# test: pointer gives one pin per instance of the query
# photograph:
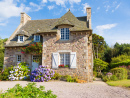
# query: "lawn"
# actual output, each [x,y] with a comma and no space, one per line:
[121,83]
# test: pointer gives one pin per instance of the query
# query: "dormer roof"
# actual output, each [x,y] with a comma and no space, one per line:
[23,32]
[64,22]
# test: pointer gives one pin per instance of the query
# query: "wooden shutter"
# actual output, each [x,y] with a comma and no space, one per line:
[55,60]
[73,60]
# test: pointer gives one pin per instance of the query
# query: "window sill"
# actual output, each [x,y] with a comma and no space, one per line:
[20,41]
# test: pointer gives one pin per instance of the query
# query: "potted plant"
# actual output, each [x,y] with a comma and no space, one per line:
[61,66]
[66,66]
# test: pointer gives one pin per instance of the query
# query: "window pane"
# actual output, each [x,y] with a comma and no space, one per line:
[35,57]
[65,59]
[21,38]
[19,58]
[37,37]
[61,59]
[65,33]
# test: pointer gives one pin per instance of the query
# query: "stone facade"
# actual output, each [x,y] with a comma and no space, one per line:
[78,43]
[10,57]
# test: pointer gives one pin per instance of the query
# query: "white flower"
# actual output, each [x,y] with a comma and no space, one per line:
[16,78]
[20,78]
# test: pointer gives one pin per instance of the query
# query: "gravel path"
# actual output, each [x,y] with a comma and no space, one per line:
[97,89]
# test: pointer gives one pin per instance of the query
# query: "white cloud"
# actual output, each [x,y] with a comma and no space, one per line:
[107,8]
[44,1]
[117,6]
[8,9]
[85,6]
[38,7]
[50,7]
[62,2]
[100,29]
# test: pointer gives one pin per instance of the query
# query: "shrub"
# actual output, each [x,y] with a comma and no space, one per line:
[70,79]
[113,78]
[120,73]
[29,91]
[100,65]
[42,74]
[5,72]
[19,72]
[56,76]
[105,78]
[0,76]
[94,73]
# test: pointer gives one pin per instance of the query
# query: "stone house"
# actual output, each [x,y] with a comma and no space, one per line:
[66,41]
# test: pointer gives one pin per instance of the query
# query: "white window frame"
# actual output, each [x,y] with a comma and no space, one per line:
[35,36]
[19,38]
[19,58]
[65,57]
[64,33]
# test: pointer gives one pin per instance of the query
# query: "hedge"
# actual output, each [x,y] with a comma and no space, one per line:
[126,63]
[120,73]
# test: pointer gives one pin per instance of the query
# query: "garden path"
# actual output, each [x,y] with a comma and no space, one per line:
[62,89]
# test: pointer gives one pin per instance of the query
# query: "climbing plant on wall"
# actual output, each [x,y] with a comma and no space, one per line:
[34,49]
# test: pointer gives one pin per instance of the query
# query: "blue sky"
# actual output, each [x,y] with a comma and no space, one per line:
[110,18]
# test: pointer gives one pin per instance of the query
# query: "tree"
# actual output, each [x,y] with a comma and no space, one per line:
[98,46]
[121,49]
[100,65]
[2,41]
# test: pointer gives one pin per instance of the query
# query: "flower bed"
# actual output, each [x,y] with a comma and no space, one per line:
[41,74]
[19,72]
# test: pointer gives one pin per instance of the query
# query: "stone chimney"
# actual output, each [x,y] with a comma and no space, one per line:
[88,9]
[24,18]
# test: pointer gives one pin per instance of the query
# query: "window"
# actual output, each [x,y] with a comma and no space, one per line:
[65,59]
[35,58]
[20,38]
[36,38]
[65,34]
[18,58]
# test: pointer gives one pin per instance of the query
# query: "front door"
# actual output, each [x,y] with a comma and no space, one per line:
[34,63]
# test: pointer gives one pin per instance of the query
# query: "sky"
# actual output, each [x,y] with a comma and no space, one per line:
[110,18]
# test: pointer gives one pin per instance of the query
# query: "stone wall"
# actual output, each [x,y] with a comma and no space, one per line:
[78,43]
[10,57]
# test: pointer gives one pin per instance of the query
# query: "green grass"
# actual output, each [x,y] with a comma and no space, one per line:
[120,83]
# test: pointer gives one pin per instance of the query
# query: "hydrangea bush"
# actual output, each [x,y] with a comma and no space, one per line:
[19,72]
[41,74]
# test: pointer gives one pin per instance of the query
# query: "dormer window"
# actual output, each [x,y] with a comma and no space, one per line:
[36,38]
[65,33]
[20,38]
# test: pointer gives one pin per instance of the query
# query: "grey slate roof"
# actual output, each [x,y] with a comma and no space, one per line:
[48,25]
